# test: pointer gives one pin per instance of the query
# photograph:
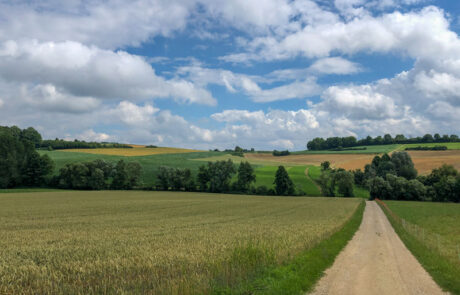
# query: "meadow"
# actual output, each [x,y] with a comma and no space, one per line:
[432,232]
[133,152]
[370,149]
[266,175]
[449,145]
[150,163]
[154,242]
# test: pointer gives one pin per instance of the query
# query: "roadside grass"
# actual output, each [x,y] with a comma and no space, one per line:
[129,242]
[299,274]
[449,145]
[370,149]
[431,232]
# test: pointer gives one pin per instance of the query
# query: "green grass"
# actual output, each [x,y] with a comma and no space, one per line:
[266,175]
[360,192]
[157,242]
[306,184]
[300,275]
[28,190]
[431,232]
[314,172]
[449,145]
[370,149]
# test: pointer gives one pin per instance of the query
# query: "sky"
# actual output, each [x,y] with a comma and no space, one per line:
[205,74]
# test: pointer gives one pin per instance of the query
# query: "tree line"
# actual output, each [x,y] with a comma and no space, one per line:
[395,178]
[22,166]
[60,144]
[224,177]
[329,143]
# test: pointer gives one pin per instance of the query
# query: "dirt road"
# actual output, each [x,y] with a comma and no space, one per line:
[376,261]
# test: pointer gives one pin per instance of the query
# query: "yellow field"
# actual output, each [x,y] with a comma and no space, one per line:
[115,242]
[136,151]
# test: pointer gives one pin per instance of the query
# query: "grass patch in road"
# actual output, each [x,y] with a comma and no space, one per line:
[300,274]
[431,232]
[153,242]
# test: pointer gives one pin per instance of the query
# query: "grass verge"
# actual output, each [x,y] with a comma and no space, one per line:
[300,274]
[444,272]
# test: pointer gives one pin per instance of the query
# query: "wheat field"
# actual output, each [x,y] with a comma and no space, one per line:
[152,242]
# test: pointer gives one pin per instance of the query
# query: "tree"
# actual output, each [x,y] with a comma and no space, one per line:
[379,188]
[359,177]
[344,181]
[387,139]
[164,178]
[32,135]
[327,183]
[325,165]
[120,177]
[246,176]
[203,178]
[403,165]
[283,183]
[133,174]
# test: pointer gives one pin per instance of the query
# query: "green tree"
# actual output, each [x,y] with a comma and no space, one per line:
[32,135]
[344,181]
[203,178]
[120,177]
[220,174]
[246,176]
[133,174]
[379,188]
[283,183]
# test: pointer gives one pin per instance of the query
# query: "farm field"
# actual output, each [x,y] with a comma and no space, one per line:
[449,145]
[424,161]
[441,219]
[134,152]
[370,149]
[431,232]
[150,164]
[266,175]
[153,242]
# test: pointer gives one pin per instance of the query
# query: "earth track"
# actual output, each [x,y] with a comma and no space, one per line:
[376,261]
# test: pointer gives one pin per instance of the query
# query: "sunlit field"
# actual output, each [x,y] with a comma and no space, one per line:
[153,242]
[135,151]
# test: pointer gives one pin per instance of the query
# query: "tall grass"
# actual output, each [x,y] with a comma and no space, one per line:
[431,232]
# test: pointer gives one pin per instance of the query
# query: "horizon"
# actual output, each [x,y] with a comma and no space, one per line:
[207,74]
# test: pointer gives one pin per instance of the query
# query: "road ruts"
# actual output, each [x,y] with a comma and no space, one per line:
[376,261]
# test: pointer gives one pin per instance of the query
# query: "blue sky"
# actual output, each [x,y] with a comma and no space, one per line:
[214,74]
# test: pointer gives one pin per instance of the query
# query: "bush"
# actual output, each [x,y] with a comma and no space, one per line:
[281,153]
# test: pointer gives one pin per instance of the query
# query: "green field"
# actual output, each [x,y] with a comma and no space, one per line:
[449,145]
[370,149]
[150,164]
[266,175]
[129,242]
[441,219]
[432,232]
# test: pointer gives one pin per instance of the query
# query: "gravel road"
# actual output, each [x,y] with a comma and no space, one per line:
[376,261]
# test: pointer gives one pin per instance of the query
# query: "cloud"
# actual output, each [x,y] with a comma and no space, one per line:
[358,102]
[335,65]
[419,34]
[92,72]
[90,135]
